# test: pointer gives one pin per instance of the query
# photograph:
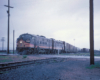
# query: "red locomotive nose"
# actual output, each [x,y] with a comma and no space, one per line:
[20,43]
[28,40]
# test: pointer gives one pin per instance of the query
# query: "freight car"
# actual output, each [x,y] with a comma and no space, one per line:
[85,50]
[30,44]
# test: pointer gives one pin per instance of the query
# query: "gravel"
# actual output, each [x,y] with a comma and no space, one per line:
[70,69]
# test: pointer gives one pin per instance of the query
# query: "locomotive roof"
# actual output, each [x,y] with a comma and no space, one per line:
[40,36]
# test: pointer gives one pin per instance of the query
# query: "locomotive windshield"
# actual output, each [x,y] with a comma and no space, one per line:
[26,37]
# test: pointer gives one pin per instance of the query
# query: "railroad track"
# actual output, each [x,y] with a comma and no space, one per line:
[9,66]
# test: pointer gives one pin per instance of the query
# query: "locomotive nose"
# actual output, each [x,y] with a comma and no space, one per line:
[28,40]
[20,41]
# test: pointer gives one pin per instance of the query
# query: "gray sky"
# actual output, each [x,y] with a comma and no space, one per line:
[64,20]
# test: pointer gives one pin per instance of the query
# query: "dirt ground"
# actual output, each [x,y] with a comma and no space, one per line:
[68,69]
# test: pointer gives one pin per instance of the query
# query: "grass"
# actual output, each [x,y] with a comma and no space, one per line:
[76,54]
[37,63]
[54,61]
[6,60]
[80,54]
[3,57]
[94,66]
[10,52]
[14,58]
[24,56]
[2,72]
[11,58]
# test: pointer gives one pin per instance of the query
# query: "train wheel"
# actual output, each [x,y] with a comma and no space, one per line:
[48,52]
[30,51]
[38,50]
[20,53]
[54,51]
[17,52]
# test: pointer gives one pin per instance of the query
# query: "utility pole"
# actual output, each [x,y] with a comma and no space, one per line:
[8,11]
[74,42]
[2,43]
[91,34]
[13,41]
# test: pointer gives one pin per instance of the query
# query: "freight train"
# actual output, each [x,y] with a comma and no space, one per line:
[31,44]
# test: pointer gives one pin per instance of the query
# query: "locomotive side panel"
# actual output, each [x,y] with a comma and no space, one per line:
[44,45]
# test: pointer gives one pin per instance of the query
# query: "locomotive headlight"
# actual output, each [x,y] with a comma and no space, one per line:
[20,41]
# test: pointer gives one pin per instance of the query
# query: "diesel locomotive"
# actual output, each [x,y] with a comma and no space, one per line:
[31,44]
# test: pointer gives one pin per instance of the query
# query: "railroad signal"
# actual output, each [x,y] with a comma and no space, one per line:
[74,42]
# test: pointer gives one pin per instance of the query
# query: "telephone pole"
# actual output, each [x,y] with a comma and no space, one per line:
[2,43]
[74,42]
[91,34]
[8,11]
[13,41]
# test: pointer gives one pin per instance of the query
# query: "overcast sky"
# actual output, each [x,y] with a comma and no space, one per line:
[66,20]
